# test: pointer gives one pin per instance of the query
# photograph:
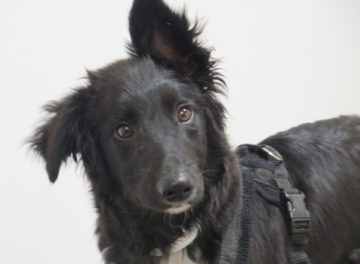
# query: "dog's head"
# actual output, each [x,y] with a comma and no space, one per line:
[148,129]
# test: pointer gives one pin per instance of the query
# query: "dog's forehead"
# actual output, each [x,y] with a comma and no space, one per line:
[142,81]
[131,75]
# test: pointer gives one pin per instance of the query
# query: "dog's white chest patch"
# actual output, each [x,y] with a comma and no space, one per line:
[180,257]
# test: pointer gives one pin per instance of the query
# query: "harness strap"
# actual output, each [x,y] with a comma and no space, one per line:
[264,173]
[299,217]
[246,218]
[234,250]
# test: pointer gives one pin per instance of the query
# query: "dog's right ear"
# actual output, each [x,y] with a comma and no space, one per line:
[167,37]
[60,136]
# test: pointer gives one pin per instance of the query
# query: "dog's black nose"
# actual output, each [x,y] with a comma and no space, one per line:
[177,191]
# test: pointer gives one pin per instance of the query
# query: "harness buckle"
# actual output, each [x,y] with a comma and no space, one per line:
[299,217]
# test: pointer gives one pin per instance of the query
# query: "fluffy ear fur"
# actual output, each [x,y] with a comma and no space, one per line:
[60,136]
[167,37]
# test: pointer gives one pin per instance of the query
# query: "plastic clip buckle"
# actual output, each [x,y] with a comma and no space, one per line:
[299,217]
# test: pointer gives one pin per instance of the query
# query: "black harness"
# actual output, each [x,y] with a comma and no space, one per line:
[265,174]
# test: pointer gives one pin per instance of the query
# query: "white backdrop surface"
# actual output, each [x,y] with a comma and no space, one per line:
[285,62]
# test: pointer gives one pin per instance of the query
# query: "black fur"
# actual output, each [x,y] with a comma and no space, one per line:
[323,159]
[169,68]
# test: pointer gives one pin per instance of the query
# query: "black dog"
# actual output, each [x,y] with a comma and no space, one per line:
[150,133]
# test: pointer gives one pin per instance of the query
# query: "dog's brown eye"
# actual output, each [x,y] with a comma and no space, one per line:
[124,131]
[184,114]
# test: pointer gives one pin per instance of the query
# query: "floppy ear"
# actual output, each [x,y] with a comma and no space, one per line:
[167,37]
[60,136]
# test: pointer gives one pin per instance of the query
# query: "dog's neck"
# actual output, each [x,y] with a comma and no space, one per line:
[177,253]
[180,244]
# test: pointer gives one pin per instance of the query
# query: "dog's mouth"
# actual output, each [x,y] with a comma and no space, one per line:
[178,209]
[184,206]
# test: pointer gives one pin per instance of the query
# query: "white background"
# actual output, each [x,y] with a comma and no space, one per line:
[286,62]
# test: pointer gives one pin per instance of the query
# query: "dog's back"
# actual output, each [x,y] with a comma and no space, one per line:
[323,158]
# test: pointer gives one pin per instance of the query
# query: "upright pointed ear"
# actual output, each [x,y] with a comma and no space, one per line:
[167,37]
[60,136]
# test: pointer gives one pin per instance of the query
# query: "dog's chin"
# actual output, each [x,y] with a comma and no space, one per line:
[178,210]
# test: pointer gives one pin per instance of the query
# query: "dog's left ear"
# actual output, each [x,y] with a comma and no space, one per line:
[167,37]
[60,136]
